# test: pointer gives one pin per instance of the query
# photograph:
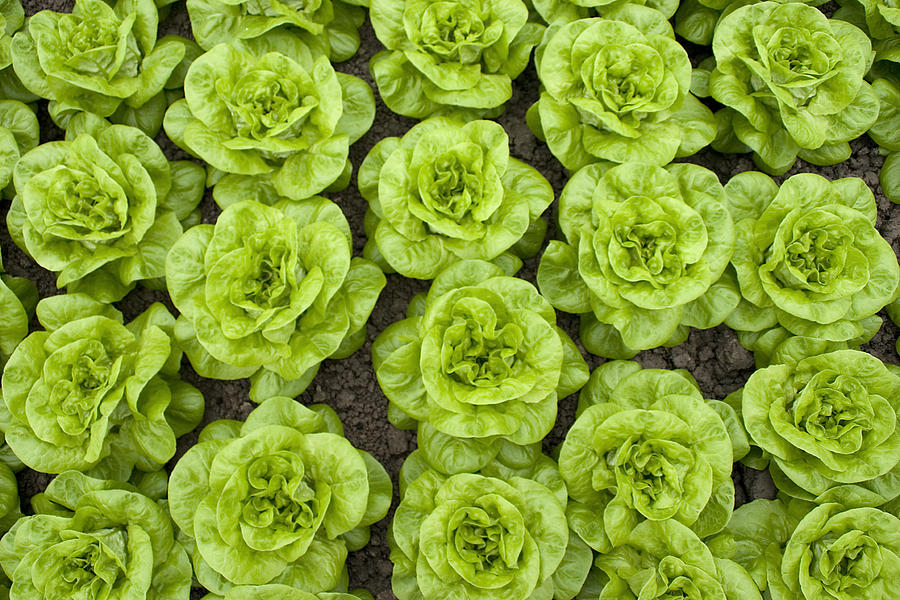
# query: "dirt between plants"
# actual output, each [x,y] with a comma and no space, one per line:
[714,357]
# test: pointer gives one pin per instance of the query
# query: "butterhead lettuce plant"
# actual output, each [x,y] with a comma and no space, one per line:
[566,11]
[449,191]
[881,20]
[18,134]
[103,207]
[450,56]
[833,551]
[665,559]
[18,297]
[269,292]
[99,59]
[826,421]
[478,365]
[643,256]
[330,25]
[270,109]
[276,591]
[886,133]
[91,394]
[476,536]
[12,18]
[646,446]
[277,499]
[792,84]
[616,89]
[92,539]
[808,259]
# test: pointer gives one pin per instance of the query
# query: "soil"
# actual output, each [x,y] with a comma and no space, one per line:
[714,357]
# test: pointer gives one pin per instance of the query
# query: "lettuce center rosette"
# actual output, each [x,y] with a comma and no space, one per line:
[269,292]
[646,446]
[479,364]
[270,109]
[665,560]
[826,421]
[792,84]
[448,191]
[616,89]
[809,260]
[102,207]
[450,56]
[643,257]
[278,499]
[92,539]
[477,536]
[92,394]
[101,58]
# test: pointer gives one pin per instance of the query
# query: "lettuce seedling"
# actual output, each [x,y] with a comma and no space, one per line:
[644,255]
[827,421]
[500,537]
[809,261]
[100,58]
[448,191]
[91,394]
[269,109]
[445,57]
[329,25]
[647,446]
[792,84]
[91,538]
[616,89]
[278,499]
[103,207]
[269,292]
[479,365]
